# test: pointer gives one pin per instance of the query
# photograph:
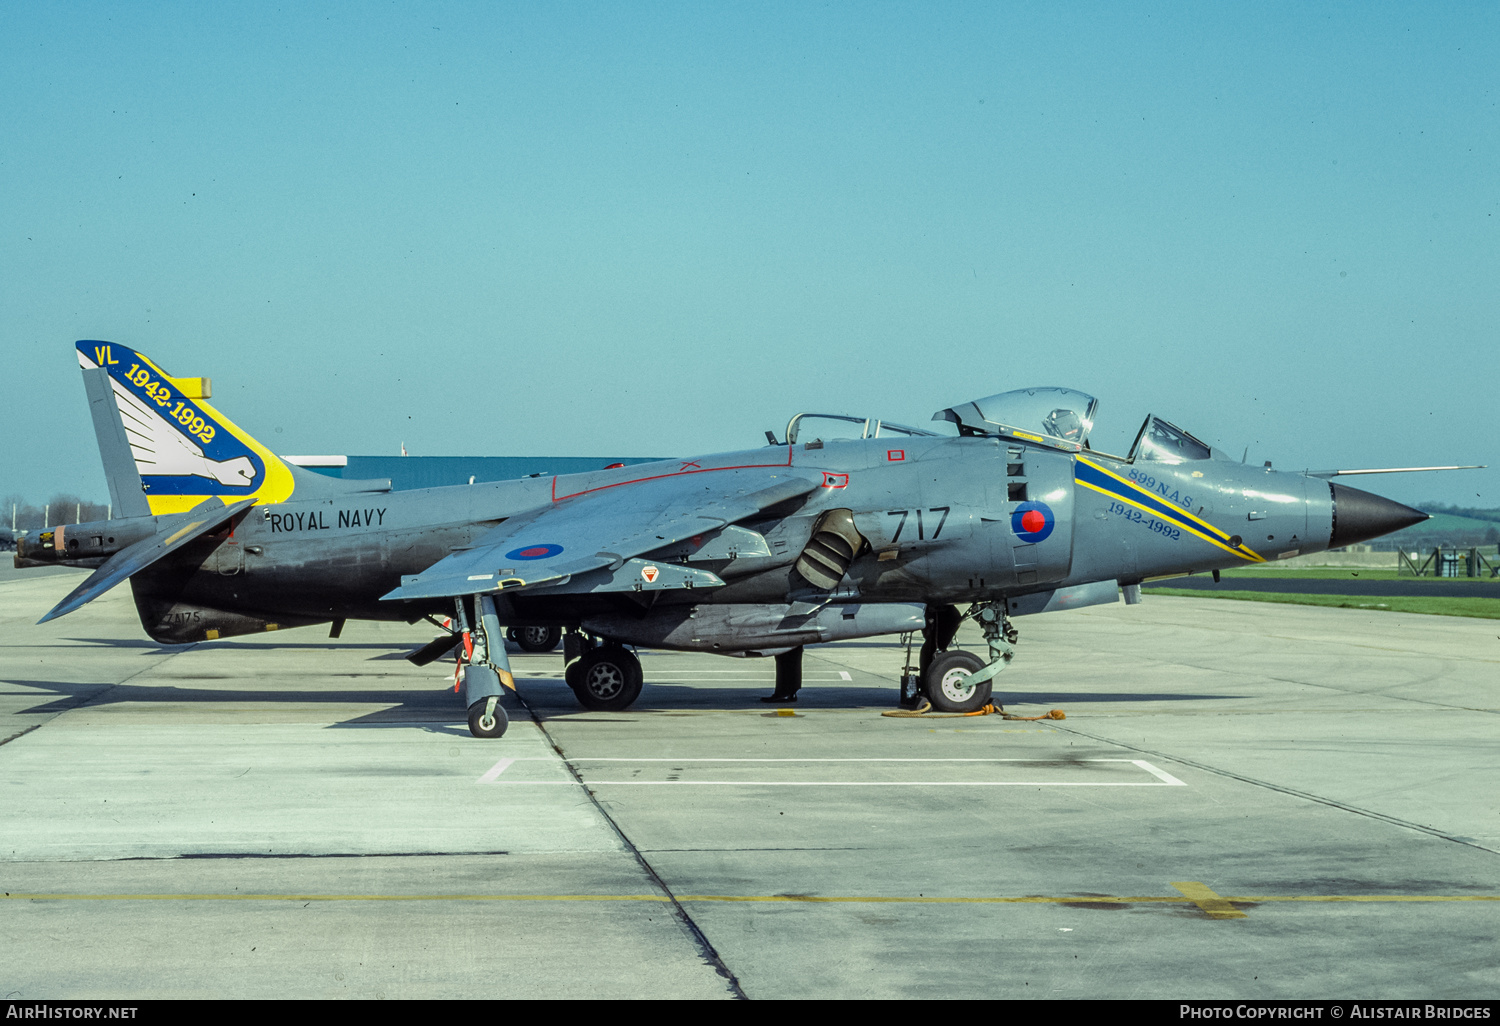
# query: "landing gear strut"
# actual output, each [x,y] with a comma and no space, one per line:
[788,677]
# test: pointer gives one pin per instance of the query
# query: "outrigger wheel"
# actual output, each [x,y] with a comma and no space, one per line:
[607,678]
[487,718]
[946,685]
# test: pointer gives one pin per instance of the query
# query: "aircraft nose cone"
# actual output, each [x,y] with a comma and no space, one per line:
[1359,516]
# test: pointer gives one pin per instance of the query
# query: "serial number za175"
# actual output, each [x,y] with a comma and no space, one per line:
[1136,516]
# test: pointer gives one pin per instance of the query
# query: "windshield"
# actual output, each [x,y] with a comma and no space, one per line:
[1056,416]
[1166,443]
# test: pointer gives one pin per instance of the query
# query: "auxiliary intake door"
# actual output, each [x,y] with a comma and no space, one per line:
[1037,509]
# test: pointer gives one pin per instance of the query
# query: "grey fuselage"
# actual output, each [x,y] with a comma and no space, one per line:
[939,515]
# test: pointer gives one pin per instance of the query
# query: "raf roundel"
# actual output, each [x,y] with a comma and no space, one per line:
[534,552]
[1032,521]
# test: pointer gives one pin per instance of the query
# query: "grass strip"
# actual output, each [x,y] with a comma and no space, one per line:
[1345,573]
[1484,608]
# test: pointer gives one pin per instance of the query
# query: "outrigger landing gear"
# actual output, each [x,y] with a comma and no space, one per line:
[484,668]
[487,718]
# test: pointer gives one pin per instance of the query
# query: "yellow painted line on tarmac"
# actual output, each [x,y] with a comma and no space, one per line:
[1213,905]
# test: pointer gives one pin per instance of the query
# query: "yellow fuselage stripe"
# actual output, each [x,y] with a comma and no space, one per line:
[1179,517]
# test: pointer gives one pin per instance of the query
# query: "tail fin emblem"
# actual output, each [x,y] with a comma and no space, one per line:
[184,450]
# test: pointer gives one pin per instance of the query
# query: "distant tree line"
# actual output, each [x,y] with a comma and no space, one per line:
[62,508]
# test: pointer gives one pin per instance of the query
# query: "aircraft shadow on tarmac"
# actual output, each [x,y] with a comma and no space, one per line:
[390,649]
[551,699]
[425,705]
[681,697]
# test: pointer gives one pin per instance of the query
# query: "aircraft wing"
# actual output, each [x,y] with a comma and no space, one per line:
[607,527]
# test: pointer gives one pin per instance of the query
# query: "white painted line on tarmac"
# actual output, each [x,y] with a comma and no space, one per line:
[495,771]
[1163,779]
[1059,762]
[1170,780]
[844,675]
[843,783]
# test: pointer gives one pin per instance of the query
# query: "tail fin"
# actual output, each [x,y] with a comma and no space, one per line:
[165,449]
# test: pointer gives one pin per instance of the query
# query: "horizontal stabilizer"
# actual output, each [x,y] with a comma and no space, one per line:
[174,532]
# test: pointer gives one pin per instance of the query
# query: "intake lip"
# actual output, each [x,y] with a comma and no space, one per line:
[1359,516]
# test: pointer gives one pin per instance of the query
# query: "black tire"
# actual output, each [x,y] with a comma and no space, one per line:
[537,639]
[945,687]
[497,725]
[608,679]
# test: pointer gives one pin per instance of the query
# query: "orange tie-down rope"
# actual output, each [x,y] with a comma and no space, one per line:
[925,709]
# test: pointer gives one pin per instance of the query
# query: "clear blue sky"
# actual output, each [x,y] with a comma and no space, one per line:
[578,229]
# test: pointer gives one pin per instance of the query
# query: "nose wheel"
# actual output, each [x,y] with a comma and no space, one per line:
[607,678]
[948,686]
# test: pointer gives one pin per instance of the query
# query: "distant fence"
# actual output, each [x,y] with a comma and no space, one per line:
[1448,562]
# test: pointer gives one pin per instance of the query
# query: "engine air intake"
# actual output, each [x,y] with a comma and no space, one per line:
[834,544]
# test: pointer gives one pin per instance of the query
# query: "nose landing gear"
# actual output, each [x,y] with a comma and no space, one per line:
[957,681]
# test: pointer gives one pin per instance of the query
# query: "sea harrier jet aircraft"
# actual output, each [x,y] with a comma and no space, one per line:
[844,528]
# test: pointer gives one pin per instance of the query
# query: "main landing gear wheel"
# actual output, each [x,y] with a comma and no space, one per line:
[487,718]
[607,679]
[947,687]
[536,639]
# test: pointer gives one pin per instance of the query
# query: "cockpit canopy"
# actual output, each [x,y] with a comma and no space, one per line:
[1161,442]
[1059,417]
[829,426]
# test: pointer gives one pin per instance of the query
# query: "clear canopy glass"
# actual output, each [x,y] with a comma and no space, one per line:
[829,426]
[1167,443]
[1057,416]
